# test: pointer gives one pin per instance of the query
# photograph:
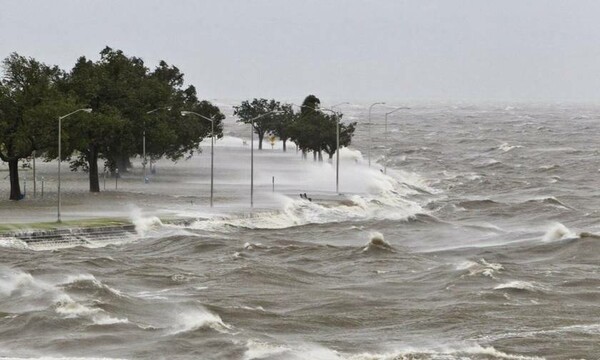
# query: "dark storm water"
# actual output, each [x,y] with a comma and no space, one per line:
[470,248]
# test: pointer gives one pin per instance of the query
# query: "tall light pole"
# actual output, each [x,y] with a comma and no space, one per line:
[60,118]
[34,178]
[386,132]
[212,149]
[144,162]
[337,155]
[252,152]
[370,137]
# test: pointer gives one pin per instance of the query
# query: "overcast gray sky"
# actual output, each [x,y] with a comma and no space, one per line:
[357,50]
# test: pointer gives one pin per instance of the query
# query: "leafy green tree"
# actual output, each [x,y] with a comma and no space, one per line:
[315,131]
[307,130]
[29,105]
[310,104]
[250,110]
[330,134]
[282,123]
[191,130]
[98,134]
[122,91]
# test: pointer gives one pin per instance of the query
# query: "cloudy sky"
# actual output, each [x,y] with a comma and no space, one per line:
[355,50]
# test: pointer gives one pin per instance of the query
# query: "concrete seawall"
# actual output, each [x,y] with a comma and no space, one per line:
[73,236]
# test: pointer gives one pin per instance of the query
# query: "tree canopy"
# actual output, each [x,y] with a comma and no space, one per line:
[130,102]
[310,128]
[127,100]
[29,101]
[257,112]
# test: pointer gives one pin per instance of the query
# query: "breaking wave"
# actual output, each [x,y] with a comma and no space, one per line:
[377,243]
[390,202]
[481,267]
[262,350]
[558,232]
[69,308]
[506,147]
[520,285]
[26,293]
[198,318]
[11,242]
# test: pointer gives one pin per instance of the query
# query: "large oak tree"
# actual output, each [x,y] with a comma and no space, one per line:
[29,105]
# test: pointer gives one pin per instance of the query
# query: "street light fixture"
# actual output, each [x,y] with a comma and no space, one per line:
[212,152]
[386,132]
[60,118]
[370,137]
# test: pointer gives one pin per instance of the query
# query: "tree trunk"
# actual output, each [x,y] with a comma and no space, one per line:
[15,188]
[320,156]
[284,148]
[261,135]
[123,164]
[93,167]
[314,155]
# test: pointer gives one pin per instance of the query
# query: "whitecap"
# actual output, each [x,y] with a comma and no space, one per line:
[448,353]
[194,319]
[250,246]
[72,309]
[520,285]
[262,350]
[69,308]
[480,268]
[386,197]
[91,279]
[506,147]
[558,232]
[376,241]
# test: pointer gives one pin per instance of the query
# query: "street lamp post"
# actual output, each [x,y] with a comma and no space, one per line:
[386,133]
[60,118]
[34,176]
[370,137]
[144,152]
[337,155]
[212,152]
[252,152]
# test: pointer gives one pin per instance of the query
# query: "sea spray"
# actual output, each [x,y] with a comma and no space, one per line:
[142,224]
[69,308]
[558,232]
[377,242]
[386,205]
[12,242]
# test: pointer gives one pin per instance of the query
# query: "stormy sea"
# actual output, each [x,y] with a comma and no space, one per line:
[474,234]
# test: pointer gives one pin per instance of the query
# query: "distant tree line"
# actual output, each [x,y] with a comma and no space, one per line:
[129,99]
[312,129]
